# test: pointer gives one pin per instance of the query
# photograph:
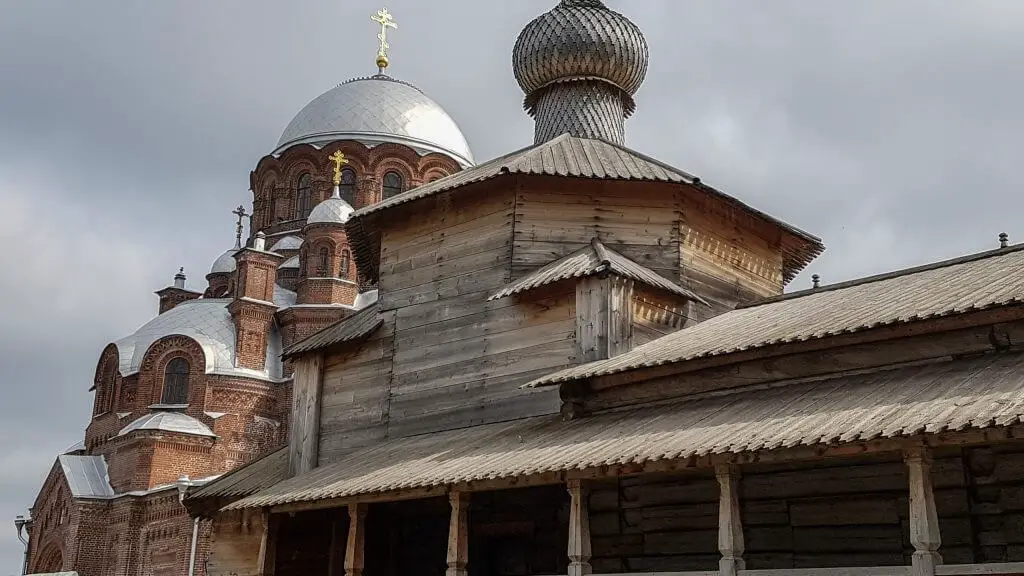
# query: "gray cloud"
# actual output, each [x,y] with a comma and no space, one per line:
[128,130]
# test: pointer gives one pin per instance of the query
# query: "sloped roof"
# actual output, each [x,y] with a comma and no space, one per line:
[976,282]
[86,476]
[956,395]
[593,259]
[352,328]
[570,156]
[248,479]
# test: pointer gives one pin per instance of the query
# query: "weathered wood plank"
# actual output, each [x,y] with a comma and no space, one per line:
[306,407]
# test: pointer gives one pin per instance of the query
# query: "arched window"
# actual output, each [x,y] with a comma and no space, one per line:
[176,382]
[394,184]
[322,262]
[304,196]
[346,262]
[348,186]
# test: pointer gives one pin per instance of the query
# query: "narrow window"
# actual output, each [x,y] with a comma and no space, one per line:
[393,184]
[346,261]
[304,198]
[321,263]
[176,382]
[348,186]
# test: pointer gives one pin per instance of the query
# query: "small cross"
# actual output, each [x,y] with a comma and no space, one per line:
[339,160]
[240,212]
[386,20]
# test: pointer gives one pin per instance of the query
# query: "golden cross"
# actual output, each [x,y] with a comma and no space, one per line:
[339,160]
[386,20]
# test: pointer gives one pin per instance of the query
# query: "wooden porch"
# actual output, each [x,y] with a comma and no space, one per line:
[919,511]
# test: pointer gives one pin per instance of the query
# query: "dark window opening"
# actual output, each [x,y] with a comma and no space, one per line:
[176,382]
[322,263]
[346,262]
[394,184]
[304,198]
[348,186]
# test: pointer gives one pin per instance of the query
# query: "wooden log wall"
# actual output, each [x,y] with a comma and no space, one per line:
[355,395]
[523,531]
[235,543]
[460,360]
[409,537]
[979,494]
[655,314]
[698,242]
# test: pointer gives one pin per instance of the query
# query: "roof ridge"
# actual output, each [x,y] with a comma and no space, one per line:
[889,275]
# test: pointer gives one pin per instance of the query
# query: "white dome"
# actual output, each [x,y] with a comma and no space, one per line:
[376,110]
[287,243]
[225,263]
[334,210]
[169,422]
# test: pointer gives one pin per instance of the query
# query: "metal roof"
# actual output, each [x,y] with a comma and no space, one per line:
[976,393]
[595,258]
[349,329]
[569,156]
[169,422]
[209,323]
[377,110]
[288,243]
[86,476]
[985,280]
[248,479]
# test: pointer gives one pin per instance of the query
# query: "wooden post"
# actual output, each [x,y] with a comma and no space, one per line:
[730,526]
[268,546]
[458,535]
[304,440]
[579,530]
[354,562]
[924,520]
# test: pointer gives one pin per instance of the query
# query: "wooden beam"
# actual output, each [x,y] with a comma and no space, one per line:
[730,526]
[458,535]
[307,394]
[924,520]
[579,530]
[268,546]
[354,560]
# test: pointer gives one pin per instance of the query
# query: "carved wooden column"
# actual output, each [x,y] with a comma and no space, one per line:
[924,520]
[354,561]
[579,530]
[458,535]
[730,526]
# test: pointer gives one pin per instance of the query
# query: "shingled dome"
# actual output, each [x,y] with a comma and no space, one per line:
[334,210]
[378,110]
[580,39]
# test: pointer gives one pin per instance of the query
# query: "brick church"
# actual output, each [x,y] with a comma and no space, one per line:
[572,359]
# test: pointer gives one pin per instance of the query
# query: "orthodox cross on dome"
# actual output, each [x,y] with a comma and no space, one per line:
[339,160]
[386,20]
[240,212]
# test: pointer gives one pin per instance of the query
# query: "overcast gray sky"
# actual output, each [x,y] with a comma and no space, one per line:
[128,130]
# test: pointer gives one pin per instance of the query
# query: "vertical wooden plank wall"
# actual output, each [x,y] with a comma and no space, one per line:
[235,544]
[305,422]
[355,394]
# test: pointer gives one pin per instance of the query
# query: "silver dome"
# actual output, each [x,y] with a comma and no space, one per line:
[581,39]
[334,210]
[225,263]
[376,110]
[287,243]
[169,422]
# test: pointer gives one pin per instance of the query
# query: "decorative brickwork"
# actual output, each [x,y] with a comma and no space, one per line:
[171,297]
